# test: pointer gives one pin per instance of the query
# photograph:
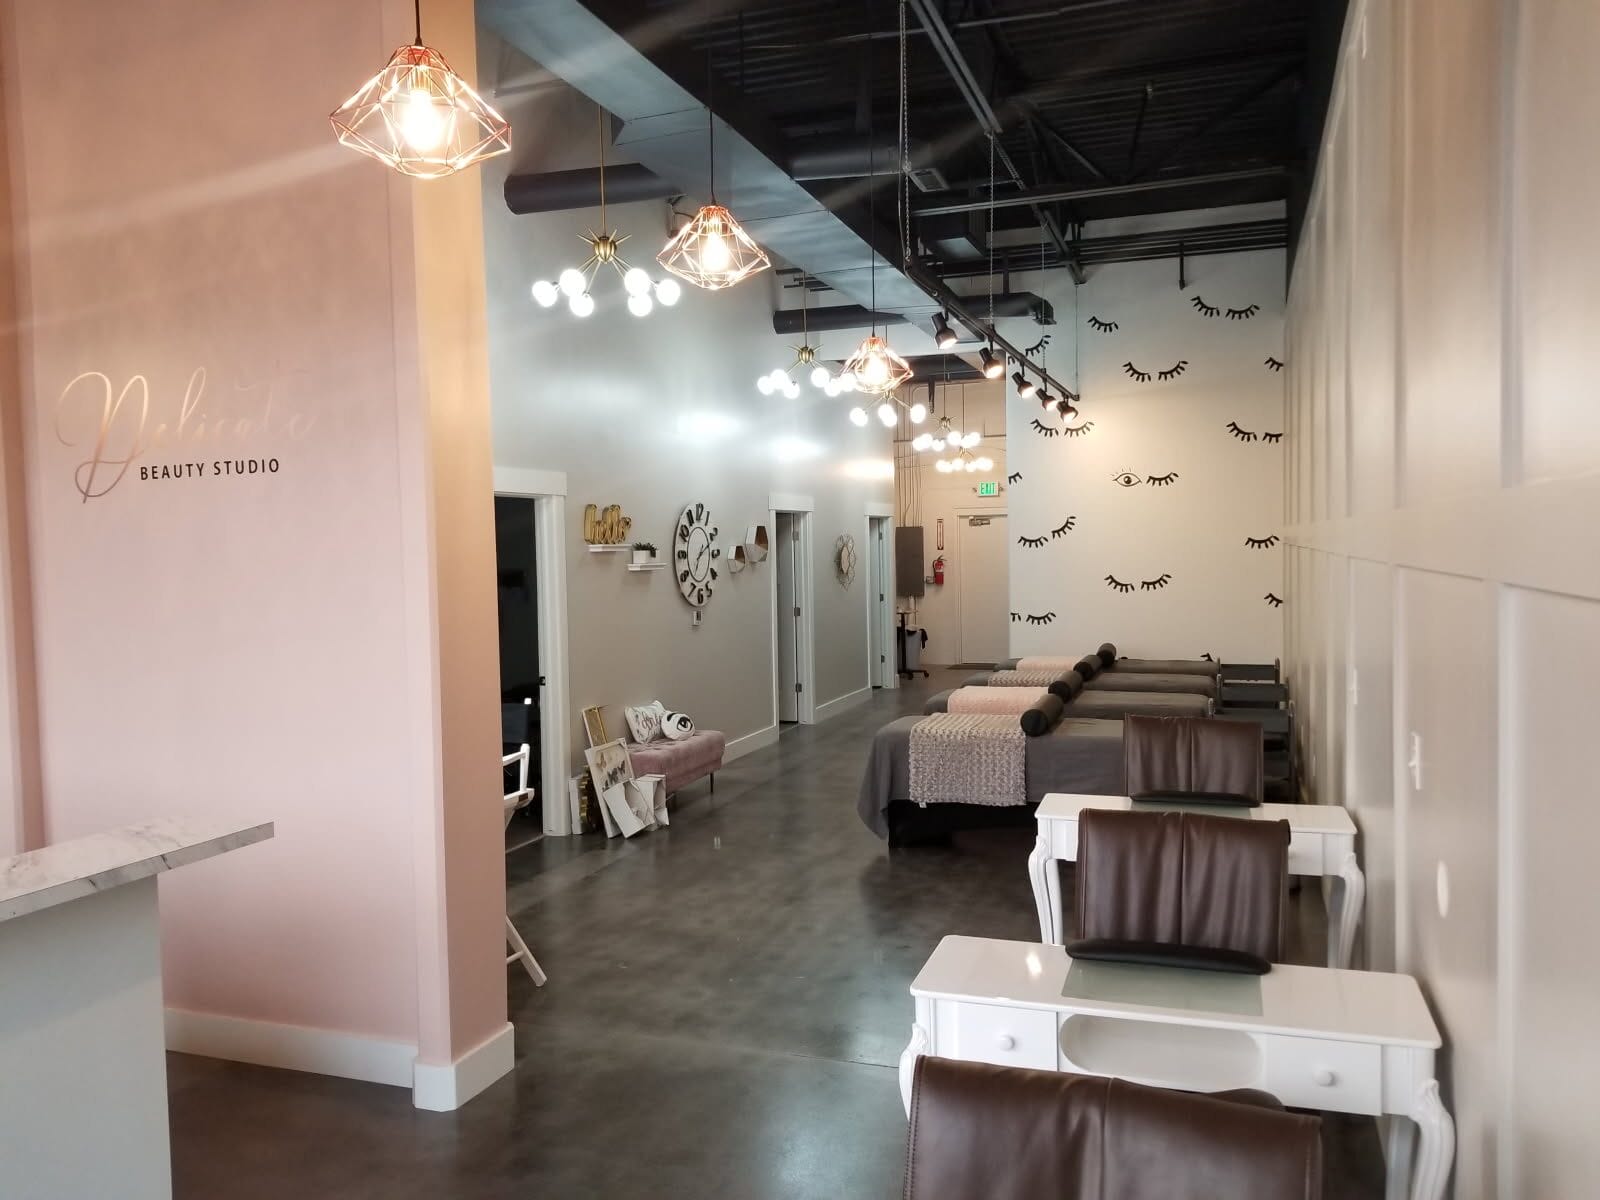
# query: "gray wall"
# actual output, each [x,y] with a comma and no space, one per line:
[1444,590]
[653,414]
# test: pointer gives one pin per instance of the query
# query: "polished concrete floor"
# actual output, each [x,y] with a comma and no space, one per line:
[727,1001]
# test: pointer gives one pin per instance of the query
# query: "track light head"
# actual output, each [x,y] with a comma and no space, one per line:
[993,365]
[943,336]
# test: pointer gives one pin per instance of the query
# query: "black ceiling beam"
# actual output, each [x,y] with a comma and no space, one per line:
[1062,195]
[960,71]
[1222,116]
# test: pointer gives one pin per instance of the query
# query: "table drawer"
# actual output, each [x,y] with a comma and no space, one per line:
[1337,1076]
[1007,1037]
[1305,853]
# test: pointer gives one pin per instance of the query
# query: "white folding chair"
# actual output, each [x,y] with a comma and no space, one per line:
[513,801]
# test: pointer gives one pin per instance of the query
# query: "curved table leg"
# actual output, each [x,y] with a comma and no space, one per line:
[918,1046]
[1351,903]
[1038,873]
[1436,1144]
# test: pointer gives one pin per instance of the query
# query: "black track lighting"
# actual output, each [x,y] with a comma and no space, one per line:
[943,336]
[1045,399]
[1026,388]
[993,366]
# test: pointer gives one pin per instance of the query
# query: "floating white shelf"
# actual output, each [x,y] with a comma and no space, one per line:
[653,566]
[609,549]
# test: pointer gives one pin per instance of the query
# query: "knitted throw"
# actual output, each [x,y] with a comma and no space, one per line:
[1023,678]
[968,758]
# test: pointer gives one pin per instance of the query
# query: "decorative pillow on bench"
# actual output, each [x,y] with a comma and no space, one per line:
[644,721]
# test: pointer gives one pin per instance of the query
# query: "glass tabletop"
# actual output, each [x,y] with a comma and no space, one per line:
[1164,987]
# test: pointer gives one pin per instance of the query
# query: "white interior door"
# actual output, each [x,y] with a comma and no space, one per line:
[879,662]
[982,565]
[788,624]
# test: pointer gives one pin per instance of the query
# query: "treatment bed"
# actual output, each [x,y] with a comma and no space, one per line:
[1082,755]
[1109,705]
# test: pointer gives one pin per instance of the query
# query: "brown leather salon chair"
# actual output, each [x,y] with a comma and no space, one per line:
[1185,888]
[981,1132]
[1192,754]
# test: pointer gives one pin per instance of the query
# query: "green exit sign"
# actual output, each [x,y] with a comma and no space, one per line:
[989,487]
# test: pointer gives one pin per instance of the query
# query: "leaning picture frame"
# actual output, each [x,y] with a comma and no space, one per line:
[594,725]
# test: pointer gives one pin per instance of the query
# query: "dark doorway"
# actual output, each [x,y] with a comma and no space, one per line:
[521,682]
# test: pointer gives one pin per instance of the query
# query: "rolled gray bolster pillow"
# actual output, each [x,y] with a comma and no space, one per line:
[1068,686]
[1087,667]
[1043,716]
[981,679]
[1108,655]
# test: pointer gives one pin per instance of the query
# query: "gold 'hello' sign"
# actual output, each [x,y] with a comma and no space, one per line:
[605,528]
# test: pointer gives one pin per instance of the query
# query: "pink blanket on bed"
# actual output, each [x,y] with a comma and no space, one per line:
[1047,662]
[999,701]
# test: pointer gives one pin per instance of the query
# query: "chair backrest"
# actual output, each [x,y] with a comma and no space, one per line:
[1183,879]
[1005,1133]
[516,799]
[1191,754]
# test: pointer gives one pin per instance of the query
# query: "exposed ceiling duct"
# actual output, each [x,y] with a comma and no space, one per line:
[854,316]
[632,65]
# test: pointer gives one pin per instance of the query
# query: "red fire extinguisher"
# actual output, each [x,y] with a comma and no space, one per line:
[938,569]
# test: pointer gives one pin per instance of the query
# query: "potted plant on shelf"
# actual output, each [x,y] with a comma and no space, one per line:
[644,554]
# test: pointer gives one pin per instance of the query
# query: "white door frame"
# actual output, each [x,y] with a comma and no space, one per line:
[804,508]
[548,491]
[886,673]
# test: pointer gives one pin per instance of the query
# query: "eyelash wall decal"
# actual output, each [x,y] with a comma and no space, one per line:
[1078,430]
[1273,364]
[1207,657]
[1047,430]
[1275,601]
[1244,435]
[1204,309]
[1243,314]
[1102,326]
[1161,480]
[1133,372]
[1125,479]
[1061,529]
[1272,437]
[1032,543]
[1176,369]
[1041,618]
[1039,345]
[1117,585]
[1265,543]
[1014,478]
[1156,584]
[1015,617]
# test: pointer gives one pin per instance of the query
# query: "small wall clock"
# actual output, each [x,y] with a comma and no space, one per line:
[695,554]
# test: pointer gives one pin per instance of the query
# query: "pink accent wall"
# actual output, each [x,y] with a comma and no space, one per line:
[314,644]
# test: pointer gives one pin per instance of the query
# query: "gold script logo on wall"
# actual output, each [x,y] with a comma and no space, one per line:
[119,427]
[607,528]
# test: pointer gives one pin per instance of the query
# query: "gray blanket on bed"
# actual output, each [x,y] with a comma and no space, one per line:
[1076,756]
[1139,681]
[1112,705]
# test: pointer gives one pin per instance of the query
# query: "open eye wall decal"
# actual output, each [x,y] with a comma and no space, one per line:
[1100,326]
[1242,314]
[1244,435]
[1044,430]
[1078,430]
[1156,584]
[1125,479]
[1272,437]
[1062,529]
[1176,369]
[1040,618]
[1204,309]
[1275,601]
[1134,372]
[1014,478]
[1161,480]
[1273,364]
[1117,585]
[1265,543]
[1033,543]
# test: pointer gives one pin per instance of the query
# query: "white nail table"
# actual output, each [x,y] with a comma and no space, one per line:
[1315,1037]
[83,1072]
[1322,842]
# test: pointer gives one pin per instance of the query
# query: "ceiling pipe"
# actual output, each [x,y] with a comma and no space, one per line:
[856,316]
[1028,198]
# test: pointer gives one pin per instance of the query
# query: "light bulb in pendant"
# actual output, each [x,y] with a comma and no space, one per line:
[422,124]
[545,293]
[820,377]
[572,282]
[636,282]
[887,414]
[668,291]
[858,416]
[581,305]
[640,305]
[918,413]
[714,254]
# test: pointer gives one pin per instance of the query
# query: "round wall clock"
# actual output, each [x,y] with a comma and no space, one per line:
[695,554]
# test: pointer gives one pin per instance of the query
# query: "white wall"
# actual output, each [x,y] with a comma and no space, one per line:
[979,406]
[1444,594]
[1190,531]
[656,413]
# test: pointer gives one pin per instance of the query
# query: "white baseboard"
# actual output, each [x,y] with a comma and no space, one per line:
[292,1047]
[750,743]
[843,703]
[447,1088]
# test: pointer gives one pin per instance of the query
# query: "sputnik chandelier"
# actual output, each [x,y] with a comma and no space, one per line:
[712,251]
[889,410]
[781,379]
[420,117]
[605,249]
[948,436]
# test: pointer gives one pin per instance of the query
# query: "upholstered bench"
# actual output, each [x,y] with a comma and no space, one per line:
[682,762]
